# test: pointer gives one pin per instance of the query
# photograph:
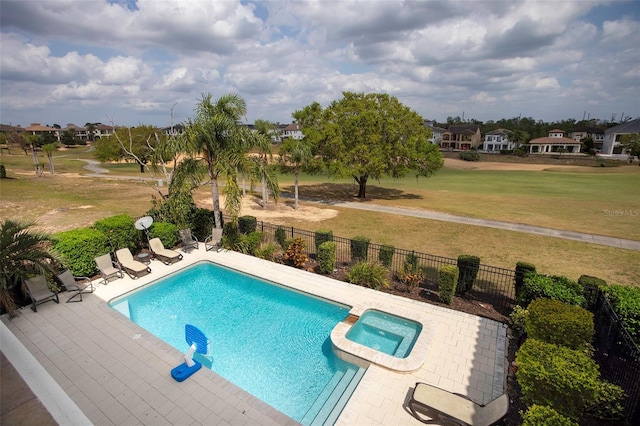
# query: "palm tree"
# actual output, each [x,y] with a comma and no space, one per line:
[21,252]
[295,153]
[222,140]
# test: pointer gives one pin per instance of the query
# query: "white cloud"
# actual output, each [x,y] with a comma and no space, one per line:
[72,62]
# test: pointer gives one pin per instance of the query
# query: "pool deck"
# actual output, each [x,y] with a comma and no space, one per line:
[94,366]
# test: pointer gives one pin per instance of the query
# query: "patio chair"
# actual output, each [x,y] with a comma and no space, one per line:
[39,291]
[131,266]
[214,240]
[75,285]
[189,241]
[442,406]
[108,268]
[166,256]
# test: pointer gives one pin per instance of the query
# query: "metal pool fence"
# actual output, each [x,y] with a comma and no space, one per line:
[493,285]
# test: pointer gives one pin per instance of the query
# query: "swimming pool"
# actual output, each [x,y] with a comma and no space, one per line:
[271,341]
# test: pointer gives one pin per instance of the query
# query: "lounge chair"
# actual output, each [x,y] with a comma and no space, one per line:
[75,285]
[131,266]
[442,406]
[39,291]
[166,256]
[189,241]
[214,240]
[108,268]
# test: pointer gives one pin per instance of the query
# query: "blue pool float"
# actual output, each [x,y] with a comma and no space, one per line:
[197,342]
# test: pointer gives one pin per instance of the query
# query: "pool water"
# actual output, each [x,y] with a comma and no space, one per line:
[270,341]
[386,333]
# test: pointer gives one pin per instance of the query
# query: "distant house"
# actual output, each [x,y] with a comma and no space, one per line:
[436,132]
[596,134]
[103,131]
[554,143]
[38,129]
[462,137]
[80,132]
[497,140]
[611,144]
[293,130]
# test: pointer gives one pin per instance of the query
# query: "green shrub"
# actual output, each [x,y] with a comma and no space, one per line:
[564,379]
[78,248]
[609,402]
[590,289]
[281,236]
[521,270]
[167,232]
[542,415]
[230,235]
[120,232]
[247,224]
[385,255]
[552,321]
[626,302]
[537,286]
[321,236]
[411,274]
[268,251]
[327,257]
[296,254]
[518,318]
[202,223]
[368,275]
[447,280]
[469,156]
[250,242]
[359,249]
[468,266]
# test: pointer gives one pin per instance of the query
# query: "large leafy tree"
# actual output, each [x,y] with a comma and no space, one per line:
[370,136]
[135,143]
[22,252]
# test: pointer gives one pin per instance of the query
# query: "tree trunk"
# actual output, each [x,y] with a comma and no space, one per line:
[215,196]
[295,188]
[50,158]
[362,182]
[265,194]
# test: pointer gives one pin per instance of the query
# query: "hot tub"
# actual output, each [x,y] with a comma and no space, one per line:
[386,333]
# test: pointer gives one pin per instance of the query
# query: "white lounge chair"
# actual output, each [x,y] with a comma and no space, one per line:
[131,266]
[442,406]
[108,268]
[39,291]
[164,255]
[214,241]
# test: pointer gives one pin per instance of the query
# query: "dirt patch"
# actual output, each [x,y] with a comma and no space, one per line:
[455,163]
[275,213]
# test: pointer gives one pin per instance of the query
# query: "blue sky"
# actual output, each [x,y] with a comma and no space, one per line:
[130,62]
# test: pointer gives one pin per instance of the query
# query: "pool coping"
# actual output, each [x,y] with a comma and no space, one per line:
[356,353]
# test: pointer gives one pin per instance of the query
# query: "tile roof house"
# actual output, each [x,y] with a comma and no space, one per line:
[37,128]
[611,144]
[554,143]
[497,140]
[462,137]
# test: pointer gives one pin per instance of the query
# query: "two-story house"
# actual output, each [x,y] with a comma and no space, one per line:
[612,136]
[596,134]
[436,132]
[293,130]
[39,129]
[103,131]
[554,143]
[497,140]
[462,137]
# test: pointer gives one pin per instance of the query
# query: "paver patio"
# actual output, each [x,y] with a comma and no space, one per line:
[117,373]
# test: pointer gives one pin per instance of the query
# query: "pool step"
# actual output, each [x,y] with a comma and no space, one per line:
[340,391]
